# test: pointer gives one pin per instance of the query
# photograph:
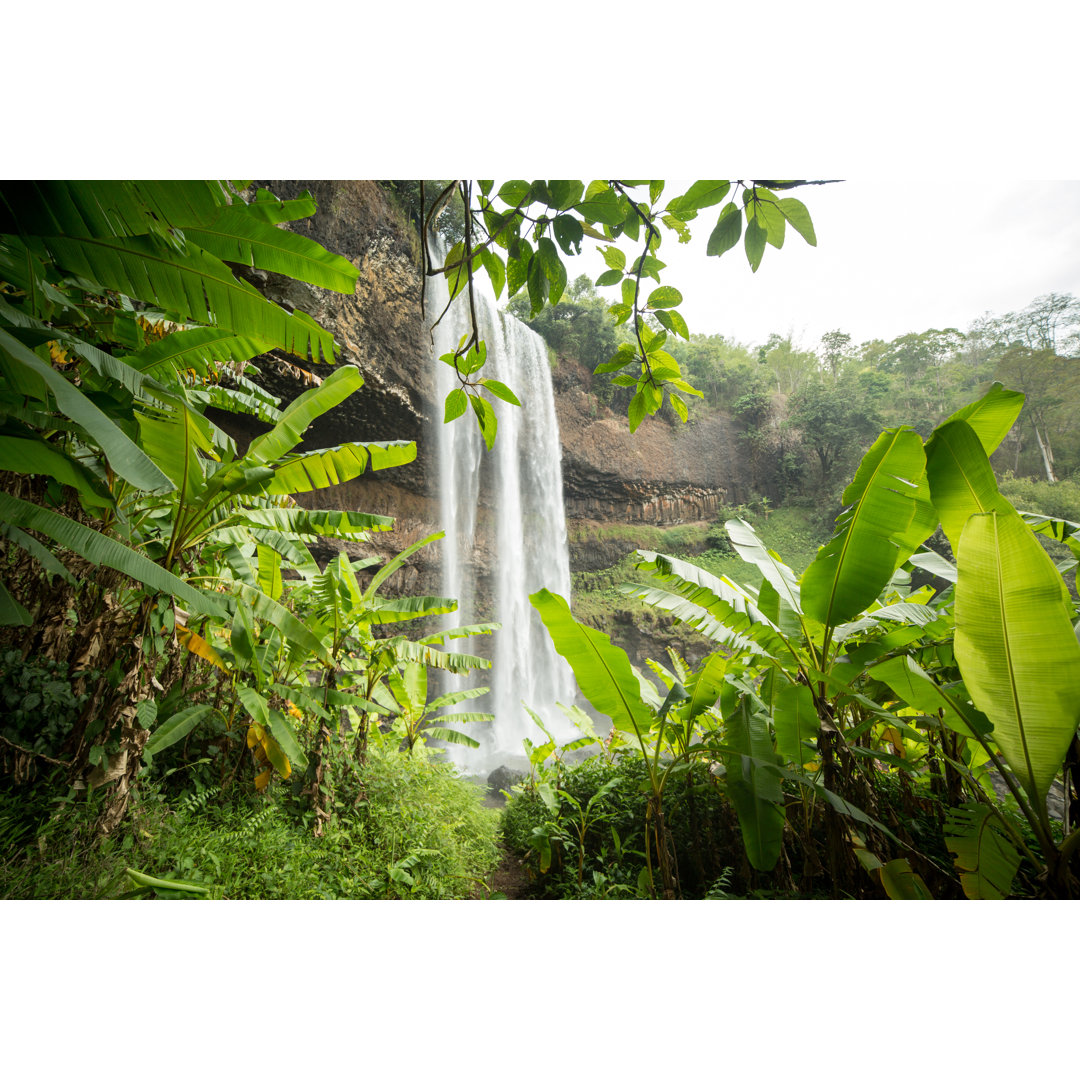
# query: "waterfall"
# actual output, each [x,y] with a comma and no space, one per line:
[505,524]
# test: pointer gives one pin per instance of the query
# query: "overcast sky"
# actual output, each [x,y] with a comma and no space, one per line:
[891,257]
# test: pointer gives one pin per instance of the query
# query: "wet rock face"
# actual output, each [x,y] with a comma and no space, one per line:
[663,474]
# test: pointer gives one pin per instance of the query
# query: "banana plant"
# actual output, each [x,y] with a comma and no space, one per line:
[829,641]
[615,688]
[416,714]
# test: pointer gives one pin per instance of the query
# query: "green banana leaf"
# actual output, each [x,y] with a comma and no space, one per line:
[755,792]
[235,236]
[177,727]
[991,416]
[987,862]
[327,468]
[962,482]
[104,551]
[125,458]
[794,715]
[199,349]
[602,670]
[194,284]
[1015,646]
[849,573]
[750,549]
[271,447]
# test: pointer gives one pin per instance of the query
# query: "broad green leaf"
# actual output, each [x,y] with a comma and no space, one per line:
[795,717]
[913,685]
[177,727]
[126,459]
[602,670]
[104,551]
[674,322]
[196,285]
[500,390]
[754,791]
[848,573]
[1015,646]
[456,404]
[987,861]
[309,406]
[237,236]
[664,297]
[754,242]
[750,549]
[327,468]
[12,613]
[727,232]
[799,219]
[701,193]
[961,480]
[992,416]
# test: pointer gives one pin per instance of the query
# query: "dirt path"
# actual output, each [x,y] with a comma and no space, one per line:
[510,877]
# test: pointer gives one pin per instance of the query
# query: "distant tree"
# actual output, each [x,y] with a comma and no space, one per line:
[835,351]
[835,422]
[790,367]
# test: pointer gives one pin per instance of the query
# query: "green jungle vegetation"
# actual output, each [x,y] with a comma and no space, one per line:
[194,708]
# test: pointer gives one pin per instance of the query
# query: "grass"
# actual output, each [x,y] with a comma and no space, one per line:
[414,831]
[792,532]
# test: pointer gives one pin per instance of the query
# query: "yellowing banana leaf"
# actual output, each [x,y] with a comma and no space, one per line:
[199,646]
[851,570]
[1015,646]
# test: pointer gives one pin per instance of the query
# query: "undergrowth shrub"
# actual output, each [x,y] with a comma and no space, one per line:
[418,832]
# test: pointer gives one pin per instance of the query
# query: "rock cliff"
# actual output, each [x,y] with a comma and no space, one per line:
[663,474]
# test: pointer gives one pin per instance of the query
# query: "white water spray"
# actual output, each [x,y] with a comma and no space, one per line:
[515,490]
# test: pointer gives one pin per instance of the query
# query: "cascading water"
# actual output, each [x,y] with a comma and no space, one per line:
[514,490]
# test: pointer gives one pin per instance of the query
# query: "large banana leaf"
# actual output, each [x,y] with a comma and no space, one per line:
[31,455]
[300,522]
[125,458]
[104,551]
[327,468]
[851,570]
[107,208]
[986,860]
[962,482]
[750,549]
[794,715]
[197,349]
[992,415]
[194,285]
[236,236]
[269,448]
[1015,646]
[602,670]
[755,791]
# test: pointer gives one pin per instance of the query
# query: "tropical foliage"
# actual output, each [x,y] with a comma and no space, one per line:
[825,684]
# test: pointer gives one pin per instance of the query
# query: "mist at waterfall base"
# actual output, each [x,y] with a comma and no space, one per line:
[516,490]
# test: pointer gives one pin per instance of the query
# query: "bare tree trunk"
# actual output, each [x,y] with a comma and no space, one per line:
[1047,454]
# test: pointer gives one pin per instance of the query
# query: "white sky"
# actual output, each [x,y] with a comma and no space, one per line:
[889,260]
